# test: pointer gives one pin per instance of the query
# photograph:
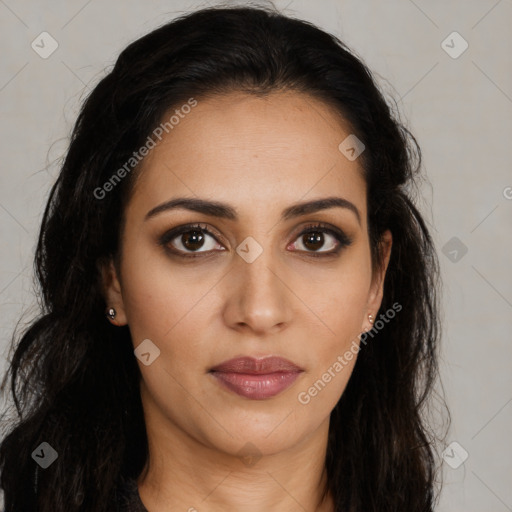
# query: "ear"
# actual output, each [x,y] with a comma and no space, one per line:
[112,291]
[377,286]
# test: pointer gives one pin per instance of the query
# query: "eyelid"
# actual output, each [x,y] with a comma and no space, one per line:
[342,238]
[185,228]
[325,227]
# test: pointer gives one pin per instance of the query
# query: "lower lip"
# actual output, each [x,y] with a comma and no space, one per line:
[256,387]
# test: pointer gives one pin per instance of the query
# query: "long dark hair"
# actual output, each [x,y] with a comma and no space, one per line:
[73,376]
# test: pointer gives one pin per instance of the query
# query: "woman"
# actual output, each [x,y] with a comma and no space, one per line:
[239,295]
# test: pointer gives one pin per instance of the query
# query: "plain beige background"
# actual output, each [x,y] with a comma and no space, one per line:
[459,106]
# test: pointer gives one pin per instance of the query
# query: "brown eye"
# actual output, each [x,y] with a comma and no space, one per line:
[313,240]
[193,240]
[190,239]
[316,237]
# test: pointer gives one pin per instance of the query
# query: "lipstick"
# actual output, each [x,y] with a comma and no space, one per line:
[256,379]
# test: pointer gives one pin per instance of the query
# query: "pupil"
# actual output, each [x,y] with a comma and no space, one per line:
[196,240]
[312,239]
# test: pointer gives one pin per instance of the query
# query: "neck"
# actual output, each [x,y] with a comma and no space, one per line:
[184,474]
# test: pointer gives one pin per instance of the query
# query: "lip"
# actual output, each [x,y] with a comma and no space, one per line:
[256,378]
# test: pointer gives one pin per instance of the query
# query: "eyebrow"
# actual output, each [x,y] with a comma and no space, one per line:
[225,211]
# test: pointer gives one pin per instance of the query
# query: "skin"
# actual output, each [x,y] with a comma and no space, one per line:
[259,155]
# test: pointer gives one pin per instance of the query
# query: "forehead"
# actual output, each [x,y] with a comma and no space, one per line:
[244,149]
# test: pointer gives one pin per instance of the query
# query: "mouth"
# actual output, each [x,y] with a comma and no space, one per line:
[256,379]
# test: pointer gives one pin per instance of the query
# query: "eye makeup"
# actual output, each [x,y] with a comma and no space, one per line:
[342,239]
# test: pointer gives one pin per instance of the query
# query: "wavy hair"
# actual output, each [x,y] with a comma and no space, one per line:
[73,376]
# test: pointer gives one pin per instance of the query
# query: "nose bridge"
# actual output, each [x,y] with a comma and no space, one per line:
[259,275]
[261,299]
[257,269]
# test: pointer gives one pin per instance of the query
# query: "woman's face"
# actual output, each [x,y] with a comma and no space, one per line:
[255,286]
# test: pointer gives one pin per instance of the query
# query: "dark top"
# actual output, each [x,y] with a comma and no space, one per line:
[130,499]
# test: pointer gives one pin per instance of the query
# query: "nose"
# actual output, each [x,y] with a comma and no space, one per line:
[258,298]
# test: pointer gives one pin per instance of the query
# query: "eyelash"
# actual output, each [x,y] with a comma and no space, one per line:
[342,238]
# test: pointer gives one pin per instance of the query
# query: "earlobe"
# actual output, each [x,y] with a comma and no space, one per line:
[112,292]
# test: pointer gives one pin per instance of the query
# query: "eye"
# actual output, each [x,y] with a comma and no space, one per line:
[190,239]
[195,240]
[313,238]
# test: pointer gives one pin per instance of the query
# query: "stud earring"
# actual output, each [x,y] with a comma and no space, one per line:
[111,313]
[370,318]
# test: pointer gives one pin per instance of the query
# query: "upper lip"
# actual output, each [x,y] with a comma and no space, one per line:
[257,366]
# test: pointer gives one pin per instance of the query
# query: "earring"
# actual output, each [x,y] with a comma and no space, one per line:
[111,313]
[370,318]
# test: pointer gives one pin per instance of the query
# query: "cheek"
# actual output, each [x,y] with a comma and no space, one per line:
[339,297]
[157,296]
[341,307]
[335,353]
[170,304]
